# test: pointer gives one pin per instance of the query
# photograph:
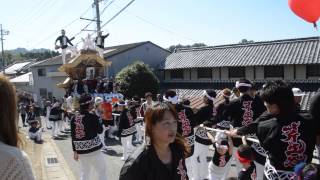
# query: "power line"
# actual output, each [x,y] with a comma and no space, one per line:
[112,18]
[106,7]
[43,11]
[69,24]
[125,7]
[158,26]
[81,31]
[32,13]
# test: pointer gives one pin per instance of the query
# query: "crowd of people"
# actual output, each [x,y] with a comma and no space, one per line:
[176,139]
[281,136]
[264,131]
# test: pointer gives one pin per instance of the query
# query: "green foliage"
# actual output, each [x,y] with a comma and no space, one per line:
[137,79]
[173,47]
[245,41]
[12,56]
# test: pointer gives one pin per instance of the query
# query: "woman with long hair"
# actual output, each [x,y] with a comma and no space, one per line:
[15,164]
[164,155]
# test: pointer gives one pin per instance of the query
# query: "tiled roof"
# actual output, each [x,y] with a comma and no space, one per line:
[113,50]
[108,52]
[17,67]
[57,60]
[279,52]
[195,97]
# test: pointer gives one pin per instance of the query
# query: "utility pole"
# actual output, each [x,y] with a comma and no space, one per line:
[2,33]
[97,19]
[96,2]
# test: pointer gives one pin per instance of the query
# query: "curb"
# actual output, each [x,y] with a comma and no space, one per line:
[54,165]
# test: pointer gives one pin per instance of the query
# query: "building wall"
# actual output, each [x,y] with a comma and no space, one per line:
[250,73]
[289,72]
[167,75]
[215,73]
[49,83]
[259,72]
[148,53]
[186,74]
[301,72]
[194,74]
[224,73]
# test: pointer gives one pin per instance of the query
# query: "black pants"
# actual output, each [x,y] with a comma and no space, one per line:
[23,117]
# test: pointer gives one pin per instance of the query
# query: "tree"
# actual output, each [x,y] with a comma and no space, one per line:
[173,47]
[245,41]
[137,79]
[12,56]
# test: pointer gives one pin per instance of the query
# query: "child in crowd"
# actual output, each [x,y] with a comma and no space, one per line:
[245,157]
[35,132]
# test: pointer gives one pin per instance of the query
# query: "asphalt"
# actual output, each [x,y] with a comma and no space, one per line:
[68,167]
[111,157]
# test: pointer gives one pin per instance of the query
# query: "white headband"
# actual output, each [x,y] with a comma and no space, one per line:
[238,84]
[173,100]
[207,95]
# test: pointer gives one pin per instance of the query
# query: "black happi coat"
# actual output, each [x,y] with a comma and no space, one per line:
[288,140]
[126,124]
[31,117]
[145,165]
[34,129]
[186,123]
[205,114]
[243,111]
[85,128]
[55,114]
[260,153]
[218,121]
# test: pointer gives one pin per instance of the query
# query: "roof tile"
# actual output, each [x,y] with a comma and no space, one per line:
[280,52]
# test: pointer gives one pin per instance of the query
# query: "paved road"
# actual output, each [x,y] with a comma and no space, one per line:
[112,157]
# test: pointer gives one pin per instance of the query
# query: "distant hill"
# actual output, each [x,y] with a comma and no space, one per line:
[22,54]
[24,50]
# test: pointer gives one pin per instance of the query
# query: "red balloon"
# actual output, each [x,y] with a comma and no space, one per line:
[309,10]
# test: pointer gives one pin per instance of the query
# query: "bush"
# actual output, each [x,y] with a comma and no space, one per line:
[137,79]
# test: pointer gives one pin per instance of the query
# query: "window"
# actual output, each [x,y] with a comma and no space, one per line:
[41,72]
[237,72]
[204,73]
[177,74]
[273,72]
[313,70]
[43,92]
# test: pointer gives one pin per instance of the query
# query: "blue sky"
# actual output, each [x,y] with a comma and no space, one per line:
[37,23]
